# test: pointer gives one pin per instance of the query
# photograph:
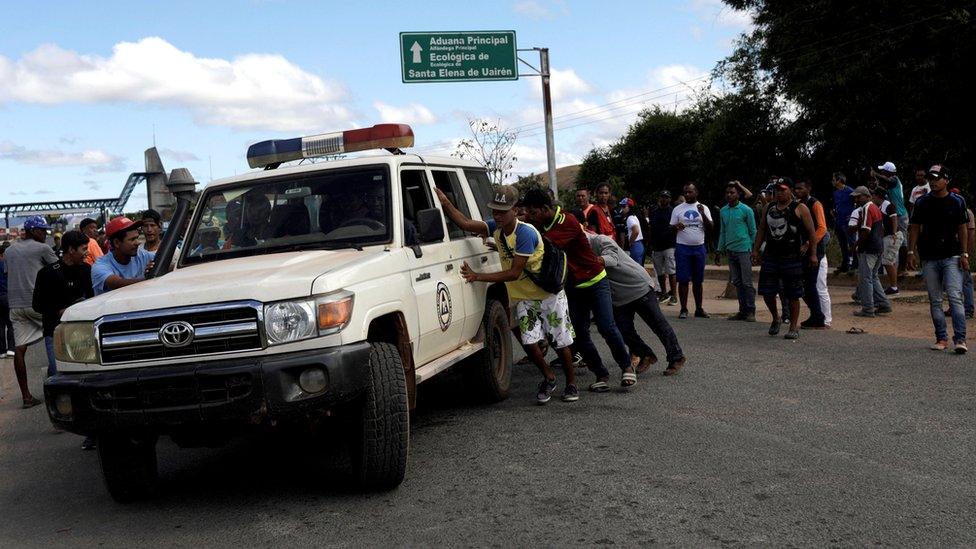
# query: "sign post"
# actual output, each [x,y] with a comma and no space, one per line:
[475,56]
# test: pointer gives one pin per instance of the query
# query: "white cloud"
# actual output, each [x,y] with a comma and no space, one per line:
[44,191]
[252,91]
[563,83]
[179,156]
[95,160]
[414,113]
[93,185]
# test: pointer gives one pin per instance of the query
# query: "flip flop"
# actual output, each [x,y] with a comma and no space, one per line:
[31,403]
[599,386]
[629,379]
[855,330]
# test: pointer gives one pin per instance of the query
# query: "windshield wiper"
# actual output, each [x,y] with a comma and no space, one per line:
[348,244]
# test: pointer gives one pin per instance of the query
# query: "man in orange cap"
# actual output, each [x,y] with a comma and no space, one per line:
[126,263]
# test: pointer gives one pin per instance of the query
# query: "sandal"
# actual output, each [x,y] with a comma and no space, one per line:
[855,330]
[628,379]
[31,403]
[674,367]
[646,363]
[599,386]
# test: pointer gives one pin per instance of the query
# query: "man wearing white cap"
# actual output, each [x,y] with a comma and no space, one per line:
[896,195]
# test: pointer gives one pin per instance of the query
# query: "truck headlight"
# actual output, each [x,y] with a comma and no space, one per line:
[75,342]
[295,320]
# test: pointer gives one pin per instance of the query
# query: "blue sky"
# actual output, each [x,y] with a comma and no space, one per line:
[82,85]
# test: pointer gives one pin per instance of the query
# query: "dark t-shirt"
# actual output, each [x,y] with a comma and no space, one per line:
[662,235]
[581,262]
[59,286]
[784,232]
[939,219]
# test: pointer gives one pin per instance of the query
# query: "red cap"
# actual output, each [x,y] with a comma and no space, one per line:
[120,223]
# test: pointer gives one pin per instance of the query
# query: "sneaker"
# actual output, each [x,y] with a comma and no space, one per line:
[961,348]
[700,313]
[774,327]
[673,301]
[11,353]
[792,334]
[736,316]
[663,298]
[940,345]
[749,317]
[882,310]
[683,313]
[570,393]
[863,313]
[891,291]
[785,320]
[546,389]
[88,444]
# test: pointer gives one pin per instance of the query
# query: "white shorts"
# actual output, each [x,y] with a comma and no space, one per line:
[539,318]
[663,262]
[28,326]
[891,244]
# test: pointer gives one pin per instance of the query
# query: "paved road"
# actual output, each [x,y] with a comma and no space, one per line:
[835,439]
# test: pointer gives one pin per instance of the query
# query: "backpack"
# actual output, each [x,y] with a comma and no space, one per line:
[552,272]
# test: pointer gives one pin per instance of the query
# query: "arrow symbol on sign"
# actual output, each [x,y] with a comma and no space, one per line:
[416,49]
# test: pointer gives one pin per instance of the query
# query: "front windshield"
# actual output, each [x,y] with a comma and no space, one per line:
[320,210]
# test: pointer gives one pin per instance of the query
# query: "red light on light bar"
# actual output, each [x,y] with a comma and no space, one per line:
[380,136]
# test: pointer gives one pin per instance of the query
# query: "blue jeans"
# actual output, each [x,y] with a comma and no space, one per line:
[945,275]
[648,309]
[52,366]
[869,285]
[637,251]
[596,300]
[740,274]
[967,293]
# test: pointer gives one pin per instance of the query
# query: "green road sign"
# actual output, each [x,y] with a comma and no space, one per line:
[458,56]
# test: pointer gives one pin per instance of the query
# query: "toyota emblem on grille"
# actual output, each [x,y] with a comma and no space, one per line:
[176,334]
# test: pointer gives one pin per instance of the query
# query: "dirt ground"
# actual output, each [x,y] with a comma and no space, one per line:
[909,319]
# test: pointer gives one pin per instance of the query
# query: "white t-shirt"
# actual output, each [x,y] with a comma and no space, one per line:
[631,223]
[694,232]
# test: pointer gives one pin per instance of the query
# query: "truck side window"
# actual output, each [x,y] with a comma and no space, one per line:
[416,197]
[449,184]
[481,188]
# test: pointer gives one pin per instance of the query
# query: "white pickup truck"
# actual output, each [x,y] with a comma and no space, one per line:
[318,290]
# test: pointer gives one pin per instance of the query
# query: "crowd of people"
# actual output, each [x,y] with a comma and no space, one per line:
[607,244]
[38,282]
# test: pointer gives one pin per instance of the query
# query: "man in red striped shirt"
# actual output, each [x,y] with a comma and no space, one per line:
[587,288]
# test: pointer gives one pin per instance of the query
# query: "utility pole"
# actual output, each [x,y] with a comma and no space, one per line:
[543,71]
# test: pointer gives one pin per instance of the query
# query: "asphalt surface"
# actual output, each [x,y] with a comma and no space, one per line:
[835,439]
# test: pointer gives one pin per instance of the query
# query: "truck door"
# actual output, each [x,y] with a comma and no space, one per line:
[467,247]
[435,275]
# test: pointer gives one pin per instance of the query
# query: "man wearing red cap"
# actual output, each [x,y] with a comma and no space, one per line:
[126,263]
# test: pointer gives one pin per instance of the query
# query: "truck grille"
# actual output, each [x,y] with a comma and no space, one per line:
[219,328]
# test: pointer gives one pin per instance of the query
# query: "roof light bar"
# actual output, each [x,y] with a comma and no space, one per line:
[271,153]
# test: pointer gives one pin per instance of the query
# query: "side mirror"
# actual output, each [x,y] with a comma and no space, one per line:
[430,225]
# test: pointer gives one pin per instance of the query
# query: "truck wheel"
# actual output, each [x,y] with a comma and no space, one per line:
[128,466]
[381,439]
[489,372]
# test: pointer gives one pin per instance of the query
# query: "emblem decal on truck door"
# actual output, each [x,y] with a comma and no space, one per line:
[443,306]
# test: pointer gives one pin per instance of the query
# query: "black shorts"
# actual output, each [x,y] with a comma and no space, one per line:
[781,276]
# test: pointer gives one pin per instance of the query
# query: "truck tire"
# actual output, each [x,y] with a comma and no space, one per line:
[381,440]
[128,466]
[489,372]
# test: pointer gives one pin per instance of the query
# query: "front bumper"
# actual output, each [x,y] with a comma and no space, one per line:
[169,399]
